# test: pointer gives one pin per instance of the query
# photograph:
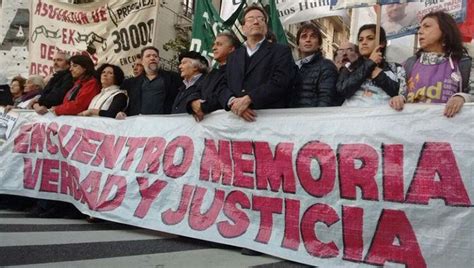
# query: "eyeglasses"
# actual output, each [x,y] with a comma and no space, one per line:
[258,18]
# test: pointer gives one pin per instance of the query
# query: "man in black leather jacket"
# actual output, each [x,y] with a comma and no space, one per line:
[57,86]
[317,75]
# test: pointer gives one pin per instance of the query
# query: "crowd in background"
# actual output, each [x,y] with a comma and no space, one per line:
[258,74]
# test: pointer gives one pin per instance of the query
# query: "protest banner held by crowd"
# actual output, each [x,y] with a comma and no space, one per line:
[336,161]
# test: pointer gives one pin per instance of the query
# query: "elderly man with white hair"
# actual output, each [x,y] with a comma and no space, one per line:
[192,67]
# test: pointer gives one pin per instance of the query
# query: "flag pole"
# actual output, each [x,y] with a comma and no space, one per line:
[378,11]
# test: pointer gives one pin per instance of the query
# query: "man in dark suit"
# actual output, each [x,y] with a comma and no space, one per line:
[259,75]
[152,92]
[206,100]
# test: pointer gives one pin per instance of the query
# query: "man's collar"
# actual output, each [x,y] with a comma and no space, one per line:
[192,81]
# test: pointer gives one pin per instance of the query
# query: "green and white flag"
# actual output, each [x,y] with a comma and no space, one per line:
[207,24]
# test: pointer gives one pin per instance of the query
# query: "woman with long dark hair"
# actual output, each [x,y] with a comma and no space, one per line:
[111,98]
[440,70]
[85,87]
[370,80]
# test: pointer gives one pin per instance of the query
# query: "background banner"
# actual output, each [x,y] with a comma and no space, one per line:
[291,11]
[113,31]
[14,32]
[402,19]
[328,187]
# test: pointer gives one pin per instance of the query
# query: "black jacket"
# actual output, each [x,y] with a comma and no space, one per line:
[267,77]
[350,81]
[185,95]
[133,86]
[316,83]
[54,92]
[207,90]
[5,95]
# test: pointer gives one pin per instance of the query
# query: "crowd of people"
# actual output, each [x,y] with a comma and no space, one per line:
[258,74]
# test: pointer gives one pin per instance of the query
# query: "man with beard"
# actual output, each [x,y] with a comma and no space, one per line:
[154,91]
[58,85]
[348,53]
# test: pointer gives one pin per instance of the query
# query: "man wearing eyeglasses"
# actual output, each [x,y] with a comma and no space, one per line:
[348,53]
[260,74]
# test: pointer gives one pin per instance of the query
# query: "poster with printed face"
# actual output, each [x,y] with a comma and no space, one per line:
[7,123]
[108,31]
[404,18]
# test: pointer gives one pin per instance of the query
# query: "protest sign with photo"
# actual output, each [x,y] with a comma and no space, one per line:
[7,123]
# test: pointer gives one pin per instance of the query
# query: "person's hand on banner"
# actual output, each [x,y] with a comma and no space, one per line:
[197,111]
[453,106]
[121,116]
[8,108]
[249,115]
[397,103]
[39,109]
[239,105]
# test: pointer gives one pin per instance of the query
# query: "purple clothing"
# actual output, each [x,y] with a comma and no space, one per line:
[432,83]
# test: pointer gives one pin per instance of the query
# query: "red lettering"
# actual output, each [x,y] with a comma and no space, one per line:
[241,165]
[363,177]
[66,149]
[393,172]
[291,236]
[437,160]
[275,170]
[148,195]
[152,155]
[267,207]
[170,217]
[90,188]
[171,169]
[239,218]
[70,181]
[21,142]
[216,163]
[37,138]
[109,151]
[87,146]
[326,159]
[394,225]
[49,182]
[108,204]
[52,130]
[30,175]
[314,214]
[352,227]
[133,145]
[202,221]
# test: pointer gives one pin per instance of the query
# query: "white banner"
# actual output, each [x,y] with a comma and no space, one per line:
[403,19]
[292,11]
[329,187]
[113,31]
[14,30]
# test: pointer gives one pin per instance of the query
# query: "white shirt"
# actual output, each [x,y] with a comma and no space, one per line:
[250,51]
